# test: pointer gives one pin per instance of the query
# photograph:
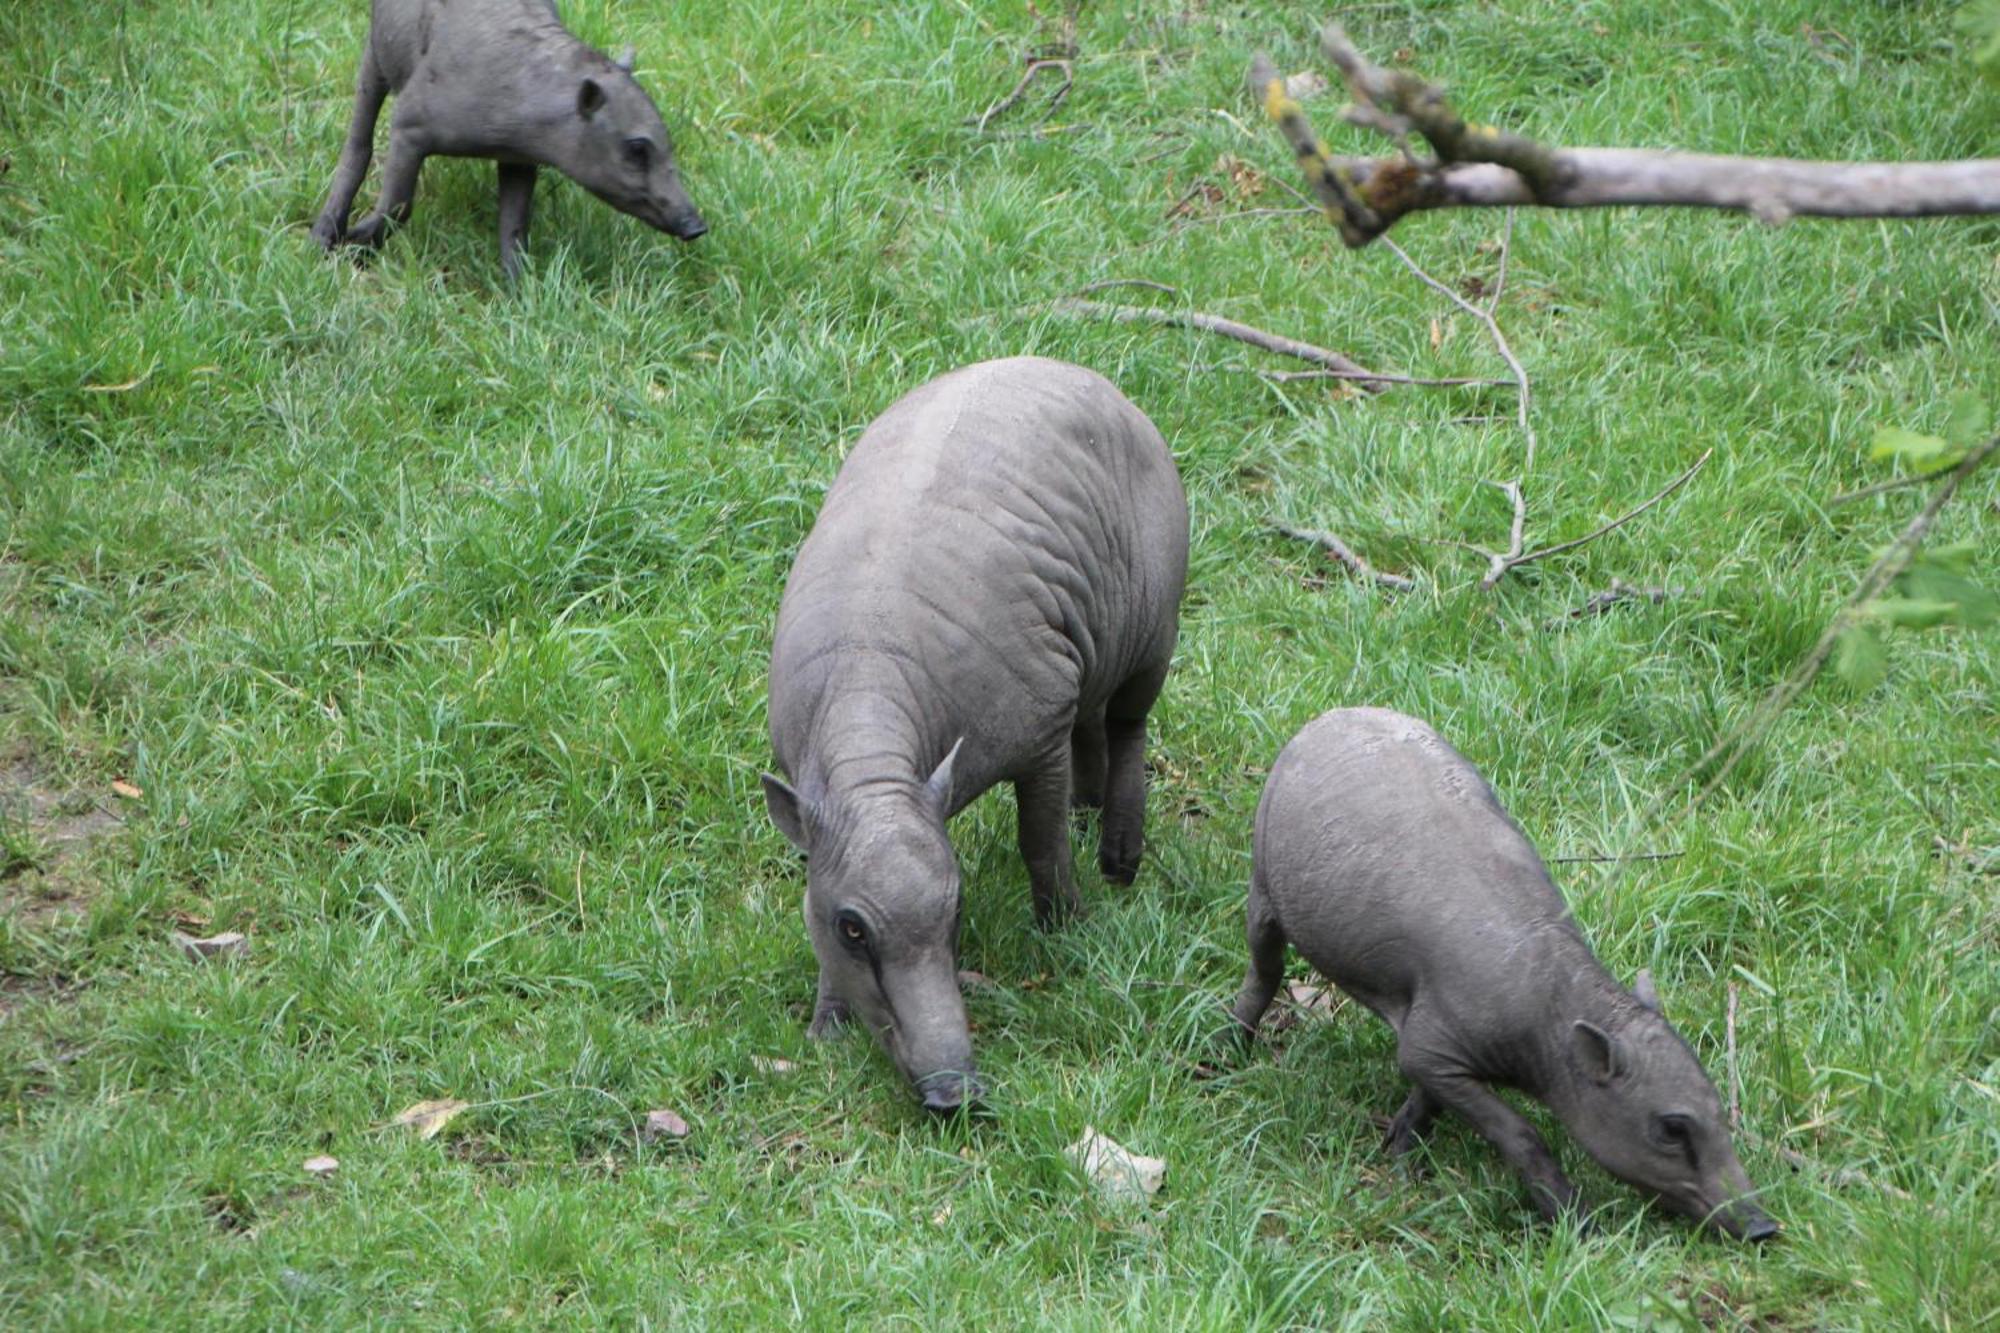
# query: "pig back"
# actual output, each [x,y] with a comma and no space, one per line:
[1014,534]
[1390,860]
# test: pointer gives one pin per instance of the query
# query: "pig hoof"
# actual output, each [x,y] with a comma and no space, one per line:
[1119,867]
[327,234]
[366,233]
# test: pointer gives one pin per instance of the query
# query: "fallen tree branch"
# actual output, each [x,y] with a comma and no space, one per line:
[1479,166]
[1369,380]
[1344,554]
[1499,562]
[1732,748]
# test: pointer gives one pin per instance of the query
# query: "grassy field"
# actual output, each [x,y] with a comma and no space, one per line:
[429,621]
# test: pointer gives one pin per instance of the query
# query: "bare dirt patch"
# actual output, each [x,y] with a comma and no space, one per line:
[43,830]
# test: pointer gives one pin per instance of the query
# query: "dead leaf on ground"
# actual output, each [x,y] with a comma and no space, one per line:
[663,1125]
[942,1215]
[321,1165]
[130,791]
[1306,83]
[1313,997]
[1120,1175]
[229,944]
[429,1118]
[773,1064]
[970,980]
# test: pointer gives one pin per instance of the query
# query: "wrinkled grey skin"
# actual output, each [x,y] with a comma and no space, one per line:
[501,79]
[990,594]
[1384,858]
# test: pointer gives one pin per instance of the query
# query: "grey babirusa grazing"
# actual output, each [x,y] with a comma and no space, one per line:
[1383,857]
[501,79]
[990,594]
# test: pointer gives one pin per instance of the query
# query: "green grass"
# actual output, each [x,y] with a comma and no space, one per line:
[432,619]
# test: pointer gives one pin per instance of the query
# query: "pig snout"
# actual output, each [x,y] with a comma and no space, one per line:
[1744,1220]
[948,1091]
[687,226]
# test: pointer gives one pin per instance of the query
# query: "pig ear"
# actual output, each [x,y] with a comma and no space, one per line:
[1644,992]
[938,788]
[627,58]
[1596,1052]
[788,812]
[589,97]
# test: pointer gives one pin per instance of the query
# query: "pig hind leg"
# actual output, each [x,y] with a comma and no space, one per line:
[1121,836]
[1267,961]
[370,88]
[1042,799]
[1086,762]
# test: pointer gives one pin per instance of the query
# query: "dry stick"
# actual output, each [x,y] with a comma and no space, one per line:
[1599,857]
[1499,562]
[1884,571]
[1013,98]
[1344,554]
[1369,380]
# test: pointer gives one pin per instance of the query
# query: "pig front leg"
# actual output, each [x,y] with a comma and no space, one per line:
[517,197]
[1499,1124]
[369,91]
[829,1012]
[1411,1123]
[407,150]
[1042,799]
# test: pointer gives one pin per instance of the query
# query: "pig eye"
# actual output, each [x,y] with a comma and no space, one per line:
[851,928]
[638,151]
[1675,1132]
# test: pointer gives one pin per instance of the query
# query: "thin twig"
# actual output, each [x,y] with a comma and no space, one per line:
[1600,857]
[1104,284]
[1020,90]
[1345,555]
[1499,342]
[1598,603]
[1893,484]
[1542,553]
[1733,747]
[1227,328]
[1500,278]
[1449,382]
[1729,1051]
[1499,562]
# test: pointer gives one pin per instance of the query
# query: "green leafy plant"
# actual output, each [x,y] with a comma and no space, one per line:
[1936,589]
[1979,22]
